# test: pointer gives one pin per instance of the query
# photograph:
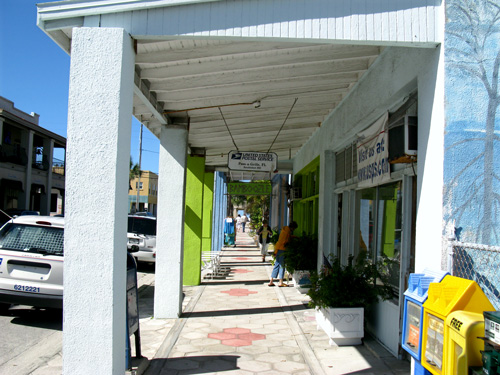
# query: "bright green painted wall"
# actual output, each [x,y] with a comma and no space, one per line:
[208,200]
[193,220]
[305,211]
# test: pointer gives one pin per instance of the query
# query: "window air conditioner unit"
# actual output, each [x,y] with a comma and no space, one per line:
[295,193]
[403,134]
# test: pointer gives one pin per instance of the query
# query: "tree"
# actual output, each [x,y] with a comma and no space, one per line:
[135,172]
[473,54]
[256,206]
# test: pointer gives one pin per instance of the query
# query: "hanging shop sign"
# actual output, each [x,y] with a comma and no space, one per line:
[373,154]
[249,188]
[252,161]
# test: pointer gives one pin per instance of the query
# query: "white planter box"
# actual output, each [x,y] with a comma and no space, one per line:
[302,281]
[344,326]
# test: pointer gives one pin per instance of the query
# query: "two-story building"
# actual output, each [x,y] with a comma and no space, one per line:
[31,163]
[147,186]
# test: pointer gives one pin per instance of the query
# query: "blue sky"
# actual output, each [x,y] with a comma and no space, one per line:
[34,74]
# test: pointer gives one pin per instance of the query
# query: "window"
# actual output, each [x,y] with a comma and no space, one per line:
[20,237]
[380,218]
[141,225]
[140,186]
[346,164]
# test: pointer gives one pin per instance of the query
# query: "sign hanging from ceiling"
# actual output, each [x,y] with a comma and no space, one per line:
[252,161]
[249,188]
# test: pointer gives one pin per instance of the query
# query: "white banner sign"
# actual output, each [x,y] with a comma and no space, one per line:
[252,161]
[373,154]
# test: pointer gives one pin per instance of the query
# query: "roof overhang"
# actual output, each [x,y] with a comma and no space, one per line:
[239,78]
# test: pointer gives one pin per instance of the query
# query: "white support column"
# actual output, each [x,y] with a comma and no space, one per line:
[99,126]
[431,130]
[48,194]
[326,217]
[170,222]
[29,171]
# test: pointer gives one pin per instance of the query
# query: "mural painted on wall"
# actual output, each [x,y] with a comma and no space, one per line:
[472,142]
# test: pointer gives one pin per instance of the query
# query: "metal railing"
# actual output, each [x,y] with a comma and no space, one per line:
[480,263]
[58,166]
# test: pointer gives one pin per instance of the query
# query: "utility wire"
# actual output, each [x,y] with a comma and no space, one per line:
[229,131]
[286,118]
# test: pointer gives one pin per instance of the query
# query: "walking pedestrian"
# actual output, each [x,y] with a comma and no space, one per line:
[238,223]
[244,220]
[264,234]
[279,252]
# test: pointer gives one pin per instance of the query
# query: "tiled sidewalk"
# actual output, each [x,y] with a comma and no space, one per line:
[239,325]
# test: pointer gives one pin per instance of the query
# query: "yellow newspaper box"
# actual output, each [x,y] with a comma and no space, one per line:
[463,347]
[451,294]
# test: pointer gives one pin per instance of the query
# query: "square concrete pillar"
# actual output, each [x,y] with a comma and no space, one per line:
[325,206]
[170,222]
[98,154]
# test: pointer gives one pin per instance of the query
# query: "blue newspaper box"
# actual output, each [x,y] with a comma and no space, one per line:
[415,296]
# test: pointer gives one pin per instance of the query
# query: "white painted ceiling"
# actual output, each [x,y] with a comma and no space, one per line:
[266,96]
[249,96]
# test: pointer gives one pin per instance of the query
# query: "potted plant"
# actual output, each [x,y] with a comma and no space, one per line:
[301,259]
[340,293]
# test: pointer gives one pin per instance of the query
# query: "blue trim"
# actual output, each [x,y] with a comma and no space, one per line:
[219,211]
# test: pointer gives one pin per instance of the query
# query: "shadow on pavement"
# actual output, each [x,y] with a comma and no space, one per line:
[262,310]
[40,318]
[193,365]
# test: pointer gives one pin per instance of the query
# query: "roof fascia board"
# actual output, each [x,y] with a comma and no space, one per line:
[16,120]
[81,8]
[64,23]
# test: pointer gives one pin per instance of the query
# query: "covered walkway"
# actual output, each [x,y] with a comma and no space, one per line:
[236,324]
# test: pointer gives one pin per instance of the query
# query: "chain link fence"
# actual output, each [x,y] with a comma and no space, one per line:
[480,263]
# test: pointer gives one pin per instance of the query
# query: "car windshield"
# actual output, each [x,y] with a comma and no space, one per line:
[32,238]
[141,225]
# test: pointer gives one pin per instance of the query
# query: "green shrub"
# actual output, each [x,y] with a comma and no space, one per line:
[301,254]
[358,284]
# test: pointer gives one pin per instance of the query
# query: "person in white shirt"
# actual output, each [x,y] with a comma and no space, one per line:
[238,223]
[244,220]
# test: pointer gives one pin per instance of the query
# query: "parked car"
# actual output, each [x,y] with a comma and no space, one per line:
[144,213]
[31,261]
[5,215]
[142,233]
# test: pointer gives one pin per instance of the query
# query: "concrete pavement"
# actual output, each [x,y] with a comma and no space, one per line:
[236,324]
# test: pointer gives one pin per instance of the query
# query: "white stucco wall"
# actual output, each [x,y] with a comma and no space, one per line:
[98,154]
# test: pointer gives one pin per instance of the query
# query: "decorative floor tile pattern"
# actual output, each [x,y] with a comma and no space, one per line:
[236,337]
[253,334]
[239,292]
[239,270]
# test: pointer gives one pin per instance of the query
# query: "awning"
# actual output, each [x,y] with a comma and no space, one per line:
[35,187]
[11,184]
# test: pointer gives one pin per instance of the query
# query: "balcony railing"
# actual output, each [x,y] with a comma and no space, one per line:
[58,166]
[13,154]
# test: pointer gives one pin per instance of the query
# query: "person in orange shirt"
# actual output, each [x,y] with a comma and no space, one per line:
[279,253]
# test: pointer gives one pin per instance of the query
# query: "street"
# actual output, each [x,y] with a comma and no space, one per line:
[32,337]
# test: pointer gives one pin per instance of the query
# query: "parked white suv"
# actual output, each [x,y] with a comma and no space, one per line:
[31,261]
[142,233]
